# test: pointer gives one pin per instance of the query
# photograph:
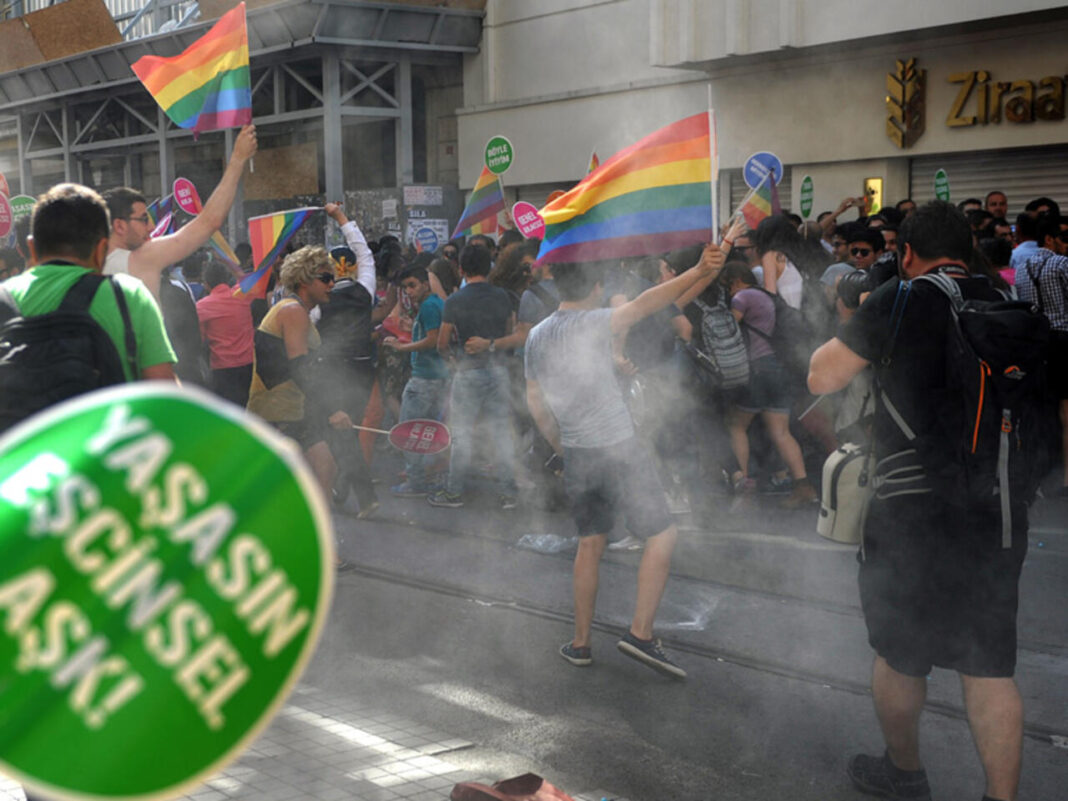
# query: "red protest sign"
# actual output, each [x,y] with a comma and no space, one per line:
[186,196]
[527,219]
[420,436]
[5,190]
[7,217]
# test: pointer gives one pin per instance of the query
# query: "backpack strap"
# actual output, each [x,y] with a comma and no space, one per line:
[948,286]
[545,296]
[9,310]
[80,296]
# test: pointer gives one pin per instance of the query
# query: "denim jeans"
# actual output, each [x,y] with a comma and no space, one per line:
[480,395]
[422,399]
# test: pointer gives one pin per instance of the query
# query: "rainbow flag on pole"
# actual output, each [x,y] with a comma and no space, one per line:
[268,234]
[207,86]
[761,203]
[480,215]
[650,198]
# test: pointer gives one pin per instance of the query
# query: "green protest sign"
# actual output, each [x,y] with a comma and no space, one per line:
[941,185]
[166,563]
[806,196]
[499,154]
[22,206]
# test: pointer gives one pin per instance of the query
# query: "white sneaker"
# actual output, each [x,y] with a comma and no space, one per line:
[628,543]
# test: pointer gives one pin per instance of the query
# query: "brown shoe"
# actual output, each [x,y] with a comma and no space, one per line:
[803,494]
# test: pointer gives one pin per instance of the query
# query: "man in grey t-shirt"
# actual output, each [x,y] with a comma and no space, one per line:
[578,406]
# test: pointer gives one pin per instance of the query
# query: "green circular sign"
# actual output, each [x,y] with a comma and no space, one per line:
[499,154]
[22,206]
[166,563]
[941,185]
[806,196]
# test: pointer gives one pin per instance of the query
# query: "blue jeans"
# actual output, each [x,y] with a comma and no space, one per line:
[422,399]
[480,395]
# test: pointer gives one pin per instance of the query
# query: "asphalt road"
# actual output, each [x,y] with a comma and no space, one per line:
[446,621]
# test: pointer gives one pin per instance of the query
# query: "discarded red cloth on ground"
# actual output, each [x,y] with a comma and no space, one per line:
[528,787]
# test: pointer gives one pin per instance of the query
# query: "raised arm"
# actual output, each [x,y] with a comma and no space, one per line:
[658,297]
[357,242]
[149,260]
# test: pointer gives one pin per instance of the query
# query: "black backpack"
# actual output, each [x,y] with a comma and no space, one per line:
[792,338]
[997,418]
[50,357]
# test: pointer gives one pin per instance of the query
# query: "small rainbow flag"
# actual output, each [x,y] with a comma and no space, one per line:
[761,203]
[480,215]
[649,198]
[207,86]
[268,234]
[160,216]
[594,163]
[221,248]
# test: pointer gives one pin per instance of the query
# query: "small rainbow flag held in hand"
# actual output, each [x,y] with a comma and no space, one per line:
[650,198]
[207,86]
[487,198]
[268,234]
[761,203]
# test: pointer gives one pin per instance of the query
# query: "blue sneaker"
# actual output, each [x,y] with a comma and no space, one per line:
[406,490]
[579,657]
[650,652]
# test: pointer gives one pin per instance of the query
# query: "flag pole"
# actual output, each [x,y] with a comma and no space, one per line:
[713,182]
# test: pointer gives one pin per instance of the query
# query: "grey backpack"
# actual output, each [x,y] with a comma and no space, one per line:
[722,355]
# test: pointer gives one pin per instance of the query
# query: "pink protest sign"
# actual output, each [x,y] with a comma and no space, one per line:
[186,195]
[5,190]
[420,436]
[6,216]
[163,227]
[527,220]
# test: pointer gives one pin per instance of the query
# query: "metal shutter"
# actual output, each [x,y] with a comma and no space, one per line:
[1022,175]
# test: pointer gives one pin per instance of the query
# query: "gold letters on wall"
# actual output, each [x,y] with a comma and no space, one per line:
[905,98]
[982,101]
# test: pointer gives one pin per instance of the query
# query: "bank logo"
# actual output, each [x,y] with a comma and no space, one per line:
[906,98]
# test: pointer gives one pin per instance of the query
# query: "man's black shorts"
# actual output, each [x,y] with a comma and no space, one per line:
[618,478]
[937,588]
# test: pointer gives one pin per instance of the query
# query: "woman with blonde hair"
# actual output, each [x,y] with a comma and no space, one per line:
[287,386]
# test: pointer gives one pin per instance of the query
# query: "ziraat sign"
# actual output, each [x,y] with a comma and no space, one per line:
[165,569]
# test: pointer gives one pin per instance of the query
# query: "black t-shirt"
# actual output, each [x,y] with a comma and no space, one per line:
[478,310]
[345,325]
[915,378]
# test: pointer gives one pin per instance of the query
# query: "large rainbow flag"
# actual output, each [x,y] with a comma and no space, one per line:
[480,215]
[207,86]
[650,198]
[761,203]
[268,234]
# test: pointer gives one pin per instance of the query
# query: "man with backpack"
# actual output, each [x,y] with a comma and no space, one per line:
[66,329]
[946,532]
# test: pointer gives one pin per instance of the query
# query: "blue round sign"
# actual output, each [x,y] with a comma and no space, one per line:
[427,239]
[758,166]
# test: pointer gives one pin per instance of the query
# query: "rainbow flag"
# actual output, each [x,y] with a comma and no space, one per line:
[160,216]
[221,248]
[268,234]
[480,215]
[650,198]
[594,163]
[207,86]
[761,203]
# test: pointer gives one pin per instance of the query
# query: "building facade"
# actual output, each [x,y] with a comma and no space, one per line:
[840,91]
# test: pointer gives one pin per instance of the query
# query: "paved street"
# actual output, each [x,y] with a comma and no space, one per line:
[439,665]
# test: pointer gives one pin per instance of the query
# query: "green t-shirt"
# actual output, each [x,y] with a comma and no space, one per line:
[41,289]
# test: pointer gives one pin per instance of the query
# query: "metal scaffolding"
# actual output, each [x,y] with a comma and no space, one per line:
[318,64]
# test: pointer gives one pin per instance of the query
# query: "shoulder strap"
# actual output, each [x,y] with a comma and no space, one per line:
[80,296]
[1036,282]
[545,296]
[948,286]
[9,310]
[127,325]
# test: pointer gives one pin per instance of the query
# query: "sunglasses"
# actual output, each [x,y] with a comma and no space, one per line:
[326,278]
[861,251]
[143,219]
